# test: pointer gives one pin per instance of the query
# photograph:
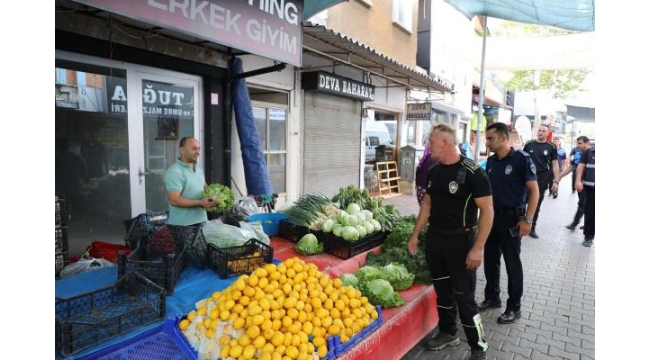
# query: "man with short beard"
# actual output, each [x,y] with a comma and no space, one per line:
[544,156]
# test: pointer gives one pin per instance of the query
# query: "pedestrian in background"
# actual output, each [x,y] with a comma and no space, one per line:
[514,194]
[544,156]
[456,189]
[583,145]
[586,181]
[426,161]
[562,162]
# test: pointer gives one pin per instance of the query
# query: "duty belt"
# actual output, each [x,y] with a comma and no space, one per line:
[457,231]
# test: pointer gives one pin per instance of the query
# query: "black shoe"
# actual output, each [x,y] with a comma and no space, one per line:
[509,317]
[533,234]
[571,227]
[478,355]
[487,304]
[554,195]
[588,243]
[441,341]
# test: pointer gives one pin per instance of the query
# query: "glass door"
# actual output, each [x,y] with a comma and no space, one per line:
[167,111]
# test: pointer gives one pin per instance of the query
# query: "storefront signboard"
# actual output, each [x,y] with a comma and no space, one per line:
[269,28]
[337,85]
[418,111]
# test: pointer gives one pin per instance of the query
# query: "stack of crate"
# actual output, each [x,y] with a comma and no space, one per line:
[61,234]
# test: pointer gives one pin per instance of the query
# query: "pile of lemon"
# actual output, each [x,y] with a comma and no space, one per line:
[284,311]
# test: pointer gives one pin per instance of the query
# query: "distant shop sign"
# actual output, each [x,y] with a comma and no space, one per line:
[418,111]
[337,85]
[269,28]
[158,99]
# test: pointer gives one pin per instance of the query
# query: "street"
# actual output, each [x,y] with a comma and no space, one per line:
[558,305]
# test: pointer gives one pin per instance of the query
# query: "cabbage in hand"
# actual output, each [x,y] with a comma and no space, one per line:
[221,195]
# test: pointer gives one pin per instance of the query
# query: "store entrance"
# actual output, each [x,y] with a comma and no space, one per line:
[111,148]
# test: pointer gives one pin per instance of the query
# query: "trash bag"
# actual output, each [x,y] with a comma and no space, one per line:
[83,266]
[256,231]
[240,211]
[225,235]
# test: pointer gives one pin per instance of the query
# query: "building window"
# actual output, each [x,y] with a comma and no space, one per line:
[271,124]
[403,14]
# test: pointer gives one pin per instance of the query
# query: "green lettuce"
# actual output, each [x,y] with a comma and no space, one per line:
[380,292]
[222,195]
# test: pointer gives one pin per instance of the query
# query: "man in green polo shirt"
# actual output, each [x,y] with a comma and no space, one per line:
[185,181]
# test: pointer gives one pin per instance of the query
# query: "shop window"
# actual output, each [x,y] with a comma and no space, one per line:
[271,125]
[403,14]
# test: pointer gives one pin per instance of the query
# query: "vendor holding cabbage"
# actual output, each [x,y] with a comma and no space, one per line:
[185,182]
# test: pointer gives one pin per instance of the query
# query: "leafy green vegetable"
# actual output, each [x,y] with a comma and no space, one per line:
[367,273]
[222,195]
[309,245]
[349,280]
[416,265]
[398,276]
[380,292]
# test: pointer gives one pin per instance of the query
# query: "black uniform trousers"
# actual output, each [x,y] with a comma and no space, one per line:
[581,209]
[543,180]
[590,212]
[499,242]
[454,284]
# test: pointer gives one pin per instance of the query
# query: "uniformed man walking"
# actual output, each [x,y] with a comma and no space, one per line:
[515,195]
[586,182]
[456,188]
[544,156]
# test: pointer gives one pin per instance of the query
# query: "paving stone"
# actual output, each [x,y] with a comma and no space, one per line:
[514,349]
[555,329]
[537,355]
[581,335]
[567,339]
[553,351]
[588,344]
[543,348]
[566,324]
[523,335]
[580,350]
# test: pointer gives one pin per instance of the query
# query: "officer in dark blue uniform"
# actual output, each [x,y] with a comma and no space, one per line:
[515,194]
[586,182]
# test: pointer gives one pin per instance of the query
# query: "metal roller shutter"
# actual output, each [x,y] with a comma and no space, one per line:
[332,148]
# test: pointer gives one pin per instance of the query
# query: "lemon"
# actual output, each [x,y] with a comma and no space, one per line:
[236,351]
[322,351]
[259,342]
[253,331]
[268,347]
[239,323]
[224,339]
[292,352]
[278,339]
[184,324]
[201,311]
[225,351]
[307,327]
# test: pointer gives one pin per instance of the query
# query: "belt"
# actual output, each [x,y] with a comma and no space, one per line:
[518,212]
[457,231]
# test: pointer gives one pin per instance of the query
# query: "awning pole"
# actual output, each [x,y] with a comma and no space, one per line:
[479,125]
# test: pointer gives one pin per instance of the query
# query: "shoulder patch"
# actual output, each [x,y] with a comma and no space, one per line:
[521,152]
[470,164]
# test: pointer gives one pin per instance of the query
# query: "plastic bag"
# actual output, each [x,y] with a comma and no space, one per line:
[224,235]
[240,211]
[83,266]
[255,231]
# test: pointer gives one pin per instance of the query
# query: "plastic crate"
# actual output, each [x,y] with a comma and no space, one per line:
[61,260]
[237,260]
[60,239]
[60,213]
[192,240]
[340,349]
[162,342]
[158,259]
[291,231]
[143,225]
[88,319]
[344,249]
[270,222]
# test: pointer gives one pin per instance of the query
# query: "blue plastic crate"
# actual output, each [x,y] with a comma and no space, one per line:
[340,349]
[162,342]
[270,222]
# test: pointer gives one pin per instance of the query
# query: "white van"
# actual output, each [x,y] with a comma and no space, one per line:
[376,134]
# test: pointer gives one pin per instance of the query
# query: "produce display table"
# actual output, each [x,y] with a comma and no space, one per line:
[403,326]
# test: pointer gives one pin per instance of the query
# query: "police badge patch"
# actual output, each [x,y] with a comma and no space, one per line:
[453,187]
[508,169]
[533,169]
[545,152]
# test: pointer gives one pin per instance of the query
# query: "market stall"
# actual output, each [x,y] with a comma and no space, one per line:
[400,320]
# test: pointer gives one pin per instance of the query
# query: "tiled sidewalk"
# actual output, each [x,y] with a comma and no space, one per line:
[558,306]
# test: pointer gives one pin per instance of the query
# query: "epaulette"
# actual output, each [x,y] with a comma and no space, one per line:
[470,164]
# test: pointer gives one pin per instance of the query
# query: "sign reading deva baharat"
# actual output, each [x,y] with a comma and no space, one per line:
[269,28]
[337,85]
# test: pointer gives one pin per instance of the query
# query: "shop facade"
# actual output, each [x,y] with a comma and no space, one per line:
[132,79]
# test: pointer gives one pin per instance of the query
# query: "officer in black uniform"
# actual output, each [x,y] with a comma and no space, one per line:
[514,185]
[544,155]
[456,188]
[586,181]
